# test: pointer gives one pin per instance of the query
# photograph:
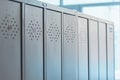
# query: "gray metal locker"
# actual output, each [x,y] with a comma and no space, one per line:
[70,53]
[83,48]
[110,52]
[10,42]
[102,51]
[33,56]
[52,45]
[93,50]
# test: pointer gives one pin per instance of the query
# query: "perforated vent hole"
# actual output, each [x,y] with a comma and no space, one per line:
[53,32]
[69,34]
[83,35]
[34,30]
[9,27]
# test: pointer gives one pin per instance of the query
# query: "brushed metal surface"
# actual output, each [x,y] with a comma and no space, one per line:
[102,52]
[10,42]
[83,48]
[33,62]
[93,50]
[110,52]
[70,53]
[53,45]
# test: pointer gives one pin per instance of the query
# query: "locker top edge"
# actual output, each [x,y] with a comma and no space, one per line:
[47,6]
[62,10]
[31,2]
[94,18]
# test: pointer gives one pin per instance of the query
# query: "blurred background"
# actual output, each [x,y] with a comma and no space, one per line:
[106,9]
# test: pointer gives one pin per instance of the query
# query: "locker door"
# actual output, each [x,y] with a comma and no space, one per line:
[83,49]
[102,51]
[70,55]
[33,57]
[53,46]
[93,50]
[10,42]
[110,52]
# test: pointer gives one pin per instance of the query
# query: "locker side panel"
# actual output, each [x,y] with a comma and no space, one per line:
[70,55]
[33,64]
[110,52]
[53,45]
[83,49]
[93,50]
[10,42]
[102,51]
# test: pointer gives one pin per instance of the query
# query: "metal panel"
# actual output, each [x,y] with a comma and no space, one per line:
[93,50]
[33,64]
[83,49]
[110,52]
[102,51]
[10,44]
[53,45]
[70,55]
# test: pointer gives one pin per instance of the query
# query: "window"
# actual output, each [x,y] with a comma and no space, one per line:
[68,2]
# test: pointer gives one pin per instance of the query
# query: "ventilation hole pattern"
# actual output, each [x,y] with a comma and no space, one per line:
[34,30]
[9,27]
[83,35]
[53,32]
[69,34]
